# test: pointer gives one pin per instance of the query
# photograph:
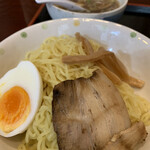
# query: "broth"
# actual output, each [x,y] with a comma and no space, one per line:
[95,6]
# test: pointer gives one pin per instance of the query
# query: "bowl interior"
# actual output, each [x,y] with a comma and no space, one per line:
[130,46]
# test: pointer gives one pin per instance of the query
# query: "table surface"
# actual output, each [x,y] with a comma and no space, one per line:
[21,13]
[15,15]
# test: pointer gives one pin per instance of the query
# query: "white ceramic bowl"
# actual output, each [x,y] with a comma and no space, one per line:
[130,46]
[113,15]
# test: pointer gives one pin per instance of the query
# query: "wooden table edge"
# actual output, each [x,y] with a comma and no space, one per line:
[36,15]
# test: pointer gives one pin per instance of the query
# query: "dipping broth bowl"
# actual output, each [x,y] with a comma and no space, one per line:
[113,15]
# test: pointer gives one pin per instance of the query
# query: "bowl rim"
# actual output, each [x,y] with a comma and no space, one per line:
[83,19]
[84,13]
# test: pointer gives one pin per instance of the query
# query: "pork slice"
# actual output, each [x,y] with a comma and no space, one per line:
[129,139]
[88,112]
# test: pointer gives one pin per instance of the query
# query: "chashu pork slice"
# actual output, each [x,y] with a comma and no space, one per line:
[129,139]
[88,112]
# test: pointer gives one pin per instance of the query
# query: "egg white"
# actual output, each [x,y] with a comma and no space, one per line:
[27,76]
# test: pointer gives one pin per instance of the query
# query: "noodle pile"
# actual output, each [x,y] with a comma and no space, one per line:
[138,108]
[48,59]
[40,135]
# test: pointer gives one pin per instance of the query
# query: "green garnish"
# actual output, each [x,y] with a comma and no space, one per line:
[89,1]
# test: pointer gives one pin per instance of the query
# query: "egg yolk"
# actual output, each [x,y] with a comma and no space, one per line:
[14,108]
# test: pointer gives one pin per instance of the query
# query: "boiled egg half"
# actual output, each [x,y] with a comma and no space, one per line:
[20,97]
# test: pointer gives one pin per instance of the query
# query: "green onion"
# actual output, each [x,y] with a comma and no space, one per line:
[89,1]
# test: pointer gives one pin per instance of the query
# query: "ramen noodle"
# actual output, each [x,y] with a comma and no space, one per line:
[40,135]
[138,107]
[48,59]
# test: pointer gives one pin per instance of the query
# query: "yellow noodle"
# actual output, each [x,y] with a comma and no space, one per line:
[138,107]
[41,135]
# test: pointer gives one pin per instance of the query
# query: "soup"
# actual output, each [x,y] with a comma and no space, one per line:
[98,5]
